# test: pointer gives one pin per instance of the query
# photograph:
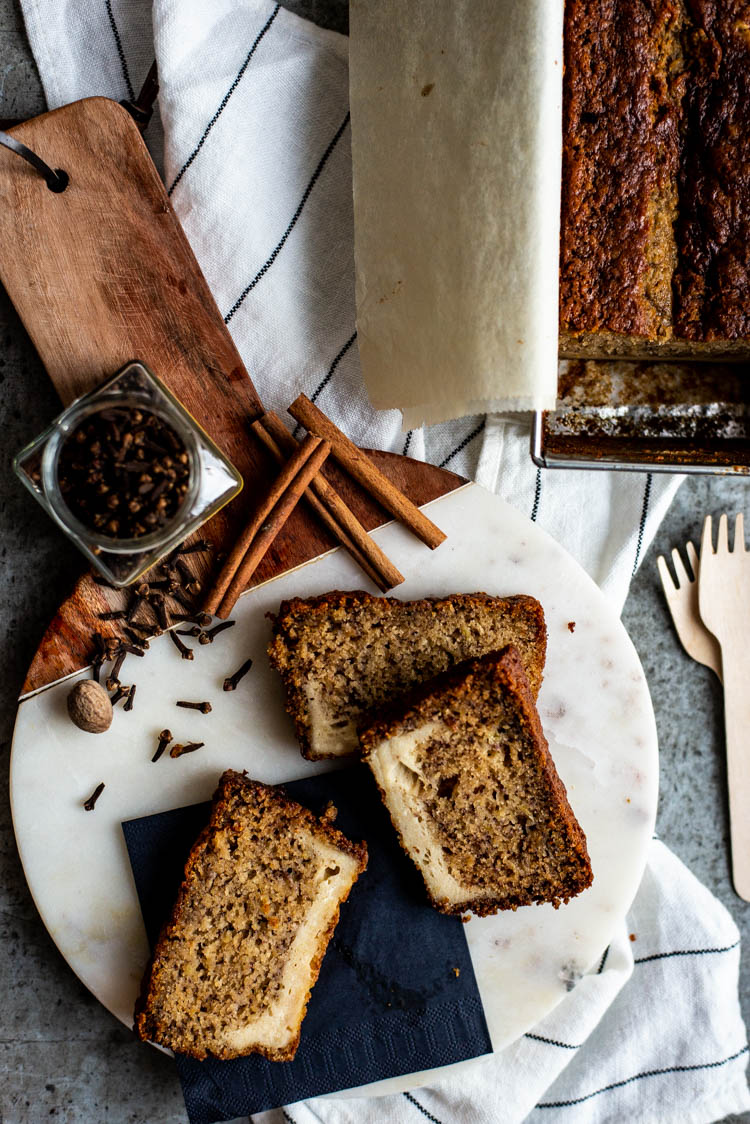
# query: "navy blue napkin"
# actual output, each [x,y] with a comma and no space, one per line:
[396,992]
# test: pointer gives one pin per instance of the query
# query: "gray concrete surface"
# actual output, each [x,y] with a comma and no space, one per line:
[62,1056]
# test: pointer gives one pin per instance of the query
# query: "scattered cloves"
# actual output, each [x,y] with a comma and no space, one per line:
[185,652]
[165,738]
[113,615]
[231,681]
[139,636]
[117,666]
[91,802]
[177,750]
[207,637]
[161,611]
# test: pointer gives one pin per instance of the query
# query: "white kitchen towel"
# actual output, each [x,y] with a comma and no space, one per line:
[256,159]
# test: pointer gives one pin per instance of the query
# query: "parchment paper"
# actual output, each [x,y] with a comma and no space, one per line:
[456,141]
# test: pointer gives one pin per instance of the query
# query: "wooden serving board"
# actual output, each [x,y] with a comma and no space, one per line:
[102,274]
[66,645]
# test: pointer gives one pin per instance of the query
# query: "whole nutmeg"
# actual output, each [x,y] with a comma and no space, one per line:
[89,707]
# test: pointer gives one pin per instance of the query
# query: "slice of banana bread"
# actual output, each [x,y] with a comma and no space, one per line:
[341,655]
[466,774]
[233,968]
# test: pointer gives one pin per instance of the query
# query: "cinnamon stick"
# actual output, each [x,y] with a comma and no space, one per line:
[266,531]
[359,465]
[331,510]
[258,518]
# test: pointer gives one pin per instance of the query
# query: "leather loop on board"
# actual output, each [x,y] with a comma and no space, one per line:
[143,106]
[57,179]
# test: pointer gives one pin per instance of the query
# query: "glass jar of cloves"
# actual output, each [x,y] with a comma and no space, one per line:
[127,473]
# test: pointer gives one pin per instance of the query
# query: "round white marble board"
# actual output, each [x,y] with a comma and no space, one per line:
[595,710]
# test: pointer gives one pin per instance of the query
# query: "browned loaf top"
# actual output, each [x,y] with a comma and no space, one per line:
[466,774]
[341,655]
[654,246]
[232,970]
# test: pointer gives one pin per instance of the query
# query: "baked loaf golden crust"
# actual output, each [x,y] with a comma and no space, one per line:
[341,655]
[233,968]
[712,283]
[620,161]
[466,774]
[655,216]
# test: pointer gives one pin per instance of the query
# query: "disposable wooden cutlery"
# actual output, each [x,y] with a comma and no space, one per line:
[724,601]
[682,601]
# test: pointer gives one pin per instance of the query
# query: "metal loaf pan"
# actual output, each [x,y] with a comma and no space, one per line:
[647,417]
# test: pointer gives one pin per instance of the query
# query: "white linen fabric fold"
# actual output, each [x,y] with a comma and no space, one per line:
[256,158]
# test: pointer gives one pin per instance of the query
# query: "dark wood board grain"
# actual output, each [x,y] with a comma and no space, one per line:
[102,274]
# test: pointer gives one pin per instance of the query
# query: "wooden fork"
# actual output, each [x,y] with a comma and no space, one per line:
[682,601]
[724,600]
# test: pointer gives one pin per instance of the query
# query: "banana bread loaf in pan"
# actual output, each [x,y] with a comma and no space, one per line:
[655,217]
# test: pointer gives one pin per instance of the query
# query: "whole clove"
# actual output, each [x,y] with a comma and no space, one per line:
[163,585]
[177,750]
[120,694]
[139,636]
[90,804]
[113,615]
[207,637]
[194,631]
[203,707]
[162,615]
[231,681]
[117,667]
[165,738]
[185,652]
[130,699]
